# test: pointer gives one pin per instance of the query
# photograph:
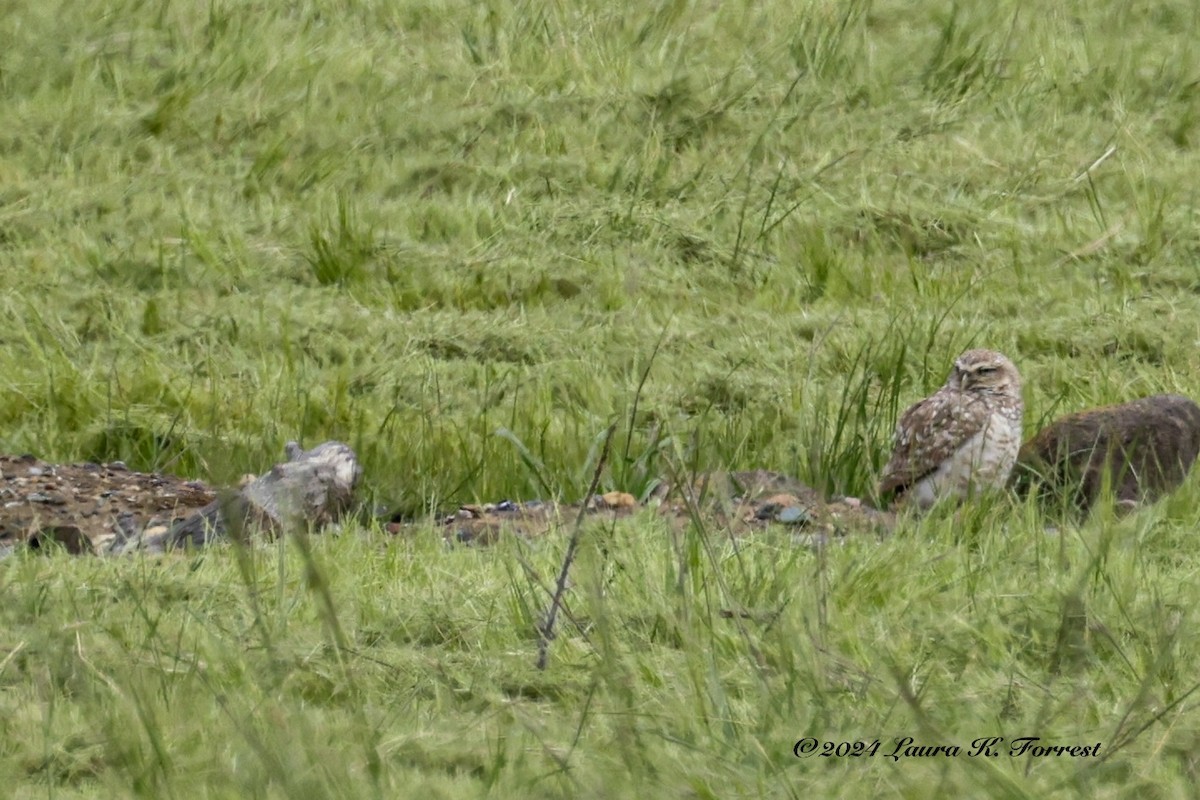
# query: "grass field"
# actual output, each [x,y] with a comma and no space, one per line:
[466,238]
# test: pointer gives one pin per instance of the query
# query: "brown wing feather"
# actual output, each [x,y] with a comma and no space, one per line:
[928,433]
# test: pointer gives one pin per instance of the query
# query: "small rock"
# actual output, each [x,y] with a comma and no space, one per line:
[618,500]
[766,512]
[772,507]
[793,515]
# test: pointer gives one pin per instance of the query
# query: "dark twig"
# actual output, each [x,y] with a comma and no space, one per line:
[535,580]
[546,629]
[637,395]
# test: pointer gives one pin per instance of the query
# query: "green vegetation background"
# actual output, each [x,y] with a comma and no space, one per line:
[465,238]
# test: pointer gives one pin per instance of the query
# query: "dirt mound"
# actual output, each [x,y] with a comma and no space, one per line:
[109,509]
[736,503]
[87,507]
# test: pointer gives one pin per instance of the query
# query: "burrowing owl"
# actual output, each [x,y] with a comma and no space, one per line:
[1146,447]
[962,439]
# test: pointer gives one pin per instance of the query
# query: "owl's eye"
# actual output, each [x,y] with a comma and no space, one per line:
[986,370]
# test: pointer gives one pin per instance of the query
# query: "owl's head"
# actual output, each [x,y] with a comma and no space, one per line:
[985,372]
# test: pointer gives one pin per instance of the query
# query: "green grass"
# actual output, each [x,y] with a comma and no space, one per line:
[468,237]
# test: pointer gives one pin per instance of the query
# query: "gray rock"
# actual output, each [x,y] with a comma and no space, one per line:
[312,488]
